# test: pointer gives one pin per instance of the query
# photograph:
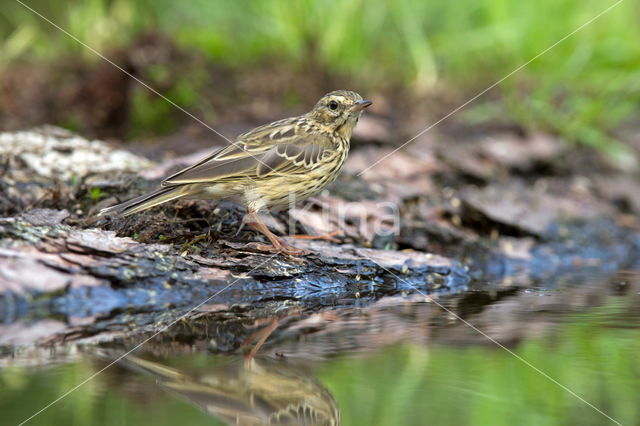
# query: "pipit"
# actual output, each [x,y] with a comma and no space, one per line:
[269,166]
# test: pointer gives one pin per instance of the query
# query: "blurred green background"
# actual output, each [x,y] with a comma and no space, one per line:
[585,89]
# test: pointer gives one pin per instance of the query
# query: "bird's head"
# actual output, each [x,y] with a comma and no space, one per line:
[339,110]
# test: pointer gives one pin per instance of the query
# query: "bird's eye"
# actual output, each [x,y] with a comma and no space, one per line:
[333,105]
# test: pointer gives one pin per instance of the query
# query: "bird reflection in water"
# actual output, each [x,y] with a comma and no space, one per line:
[248,391]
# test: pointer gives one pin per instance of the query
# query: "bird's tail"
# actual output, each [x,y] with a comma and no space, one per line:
[145,201]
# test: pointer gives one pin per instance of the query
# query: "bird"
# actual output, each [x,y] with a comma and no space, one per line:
[267,168]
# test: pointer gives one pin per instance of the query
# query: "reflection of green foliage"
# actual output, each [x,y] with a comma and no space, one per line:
[93,403]
[583,88]
[399,385]
[486,385]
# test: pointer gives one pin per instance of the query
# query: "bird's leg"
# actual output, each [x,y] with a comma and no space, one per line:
[262,337]
[278,245]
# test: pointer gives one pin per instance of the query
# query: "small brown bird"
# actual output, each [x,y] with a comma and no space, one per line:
[269,166]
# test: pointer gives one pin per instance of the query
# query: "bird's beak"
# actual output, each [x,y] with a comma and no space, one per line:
[360,105]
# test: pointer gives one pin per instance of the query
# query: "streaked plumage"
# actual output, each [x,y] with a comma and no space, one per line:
[270,166]
[260,391]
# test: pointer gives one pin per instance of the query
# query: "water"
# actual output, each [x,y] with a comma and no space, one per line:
[401,361]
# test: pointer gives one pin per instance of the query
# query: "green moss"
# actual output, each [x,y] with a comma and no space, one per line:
[95,194]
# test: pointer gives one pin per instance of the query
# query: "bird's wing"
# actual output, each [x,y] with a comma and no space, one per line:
[279,147]
[226,163]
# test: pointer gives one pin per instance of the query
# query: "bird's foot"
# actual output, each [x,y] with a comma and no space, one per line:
[260,337]
[277,244]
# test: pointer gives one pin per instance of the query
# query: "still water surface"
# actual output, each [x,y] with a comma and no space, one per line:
[400,361]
